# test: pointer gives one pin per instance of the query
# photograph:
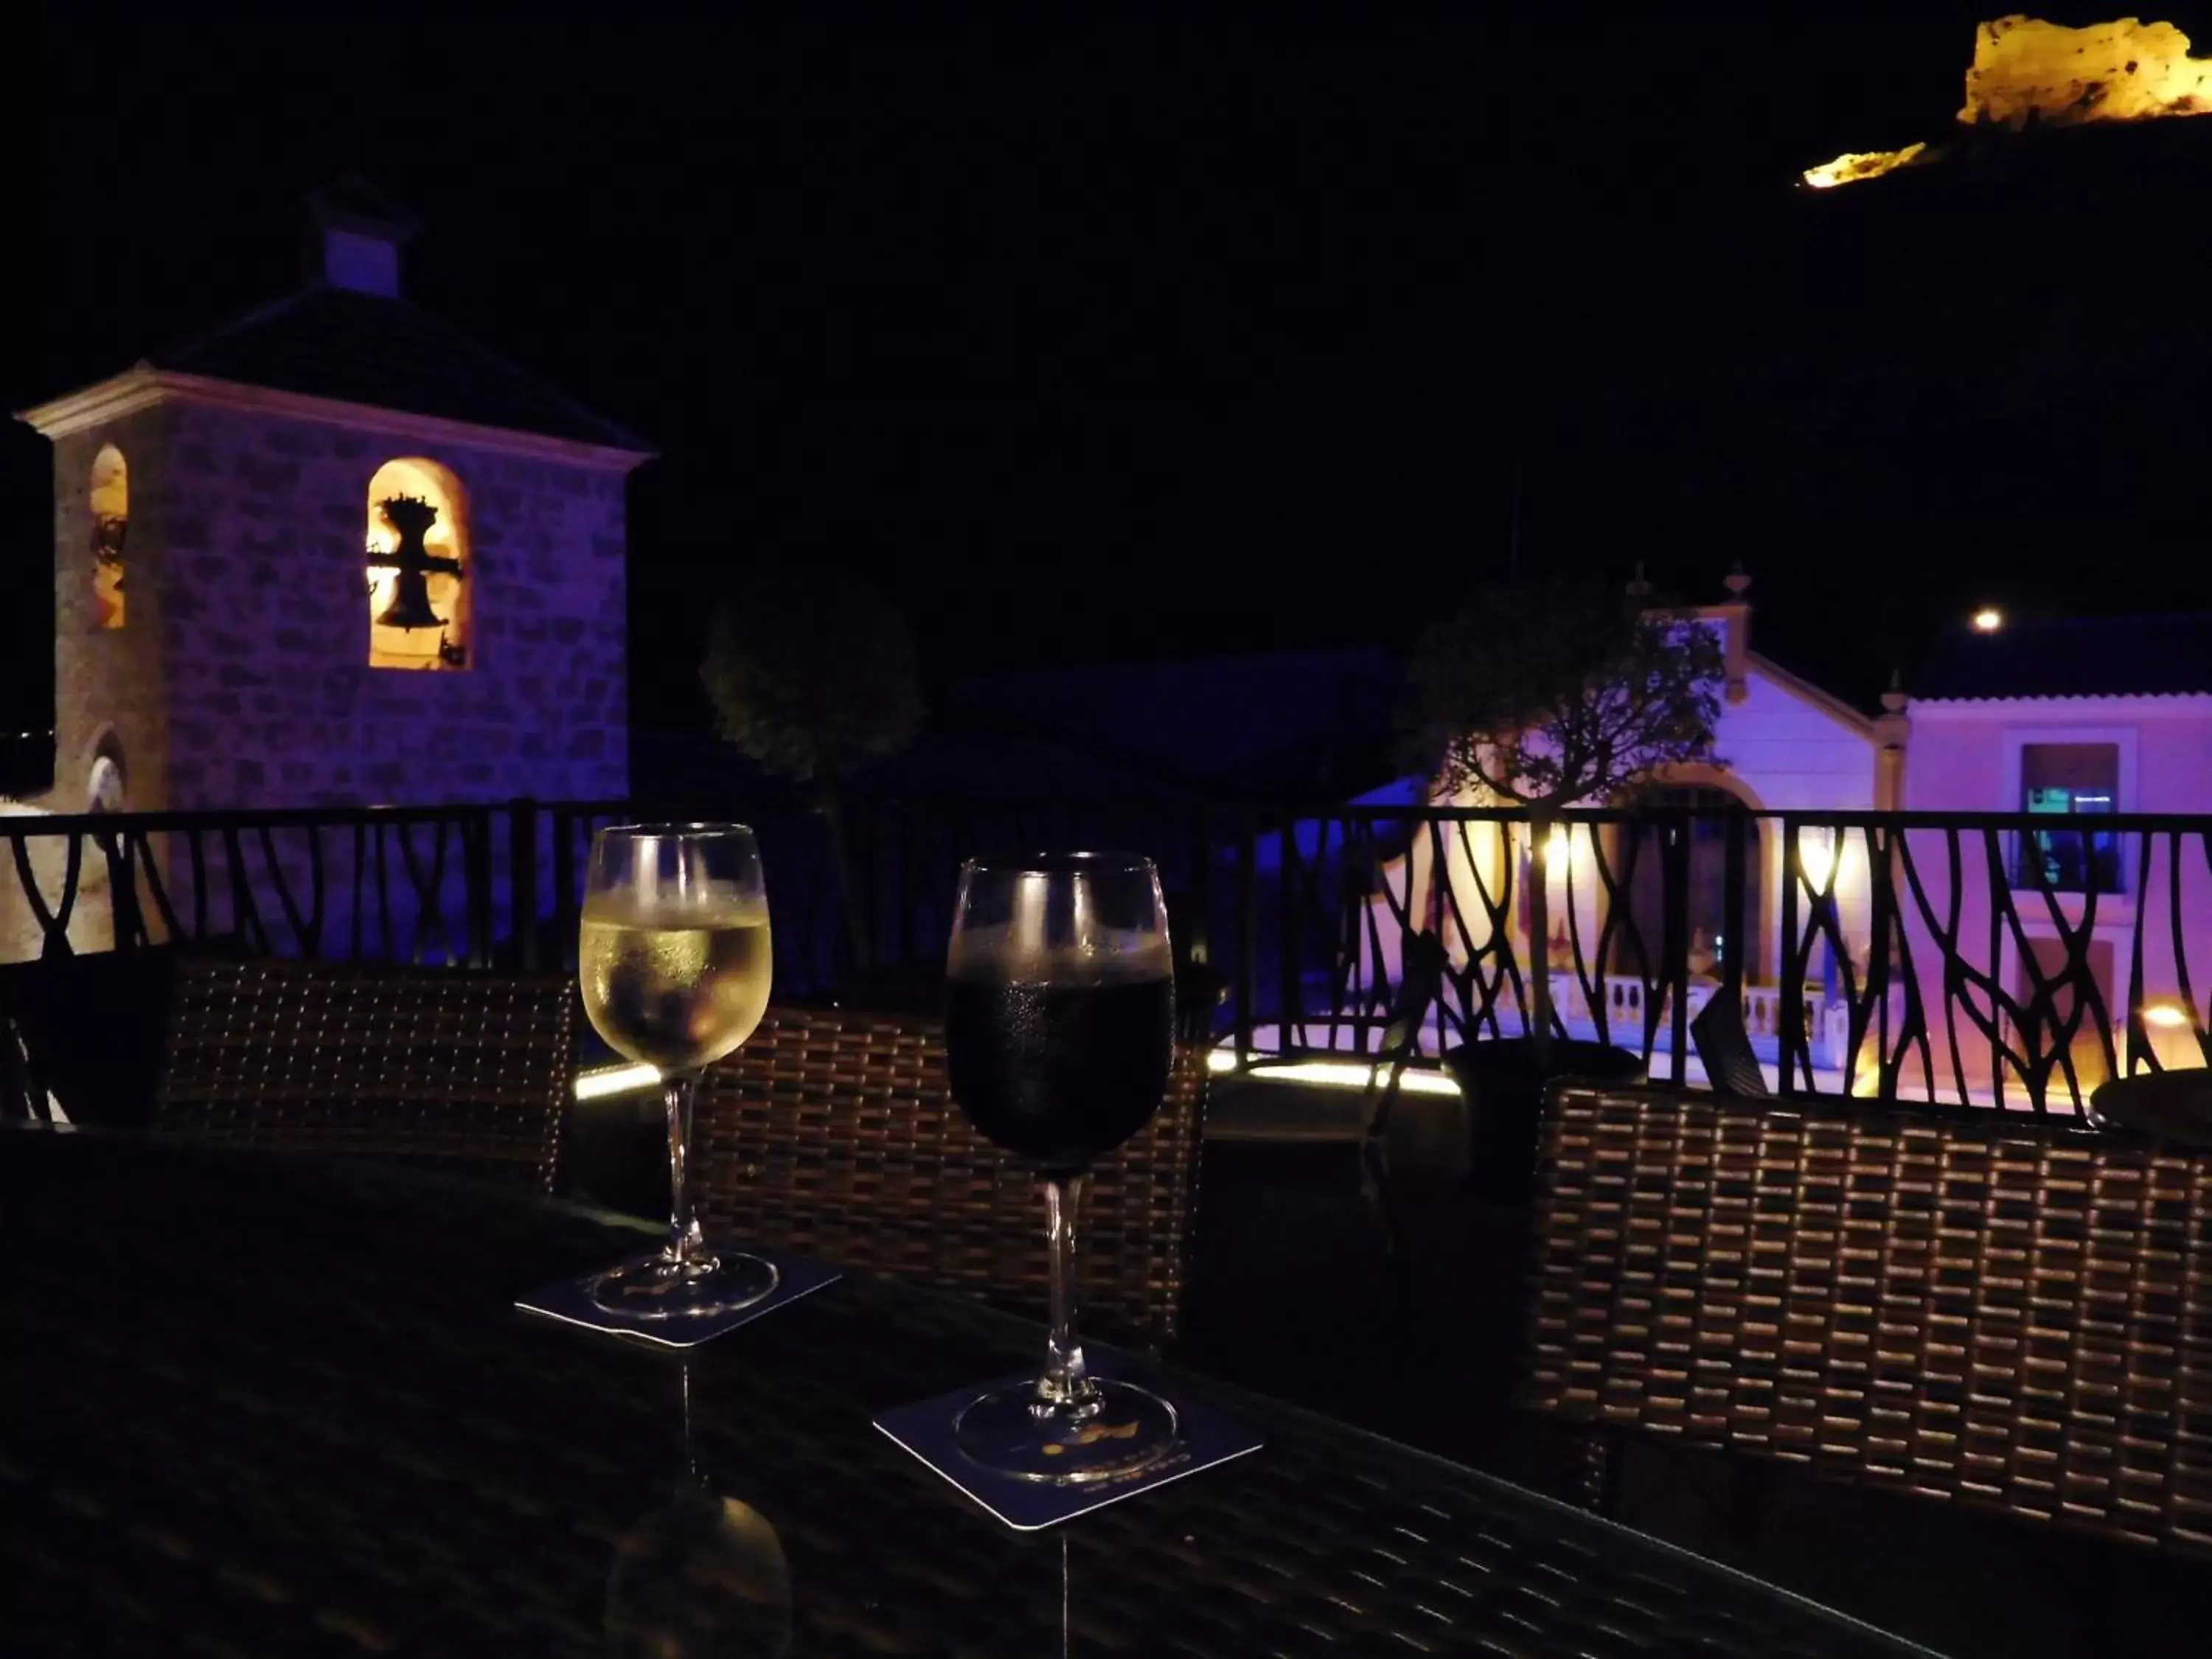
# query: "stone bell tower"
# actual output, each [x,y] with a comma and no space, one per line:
[335,553]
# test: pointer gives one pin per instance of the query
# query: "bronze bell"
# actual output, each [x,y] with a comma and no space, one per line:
[410,603]
[413,561]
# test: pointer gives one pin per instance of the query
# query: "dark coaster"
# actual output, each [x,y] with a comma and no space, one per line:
[1206,1437]
[571,1302]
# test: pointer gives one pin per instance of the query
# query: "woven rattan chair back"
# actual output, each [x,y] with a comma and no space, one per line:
[465,1072]
[1724,1049]
[1995,1312]
[835,1134]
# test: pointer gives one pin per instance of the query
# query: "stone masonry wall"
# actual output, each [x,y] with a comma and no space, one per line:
[107,682]
[241,680]
[264,614]
[111,680]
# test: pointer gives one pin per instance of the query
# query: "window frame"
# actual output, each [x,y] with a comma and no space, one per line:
[459,510]
[119,618]
[2018,739]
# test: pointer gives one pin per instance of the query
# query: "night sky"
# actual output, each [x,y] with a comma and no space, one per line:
[1114,332]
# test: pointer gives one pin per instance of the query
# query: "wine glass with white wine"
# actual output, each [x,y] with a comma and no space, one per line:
[675,964]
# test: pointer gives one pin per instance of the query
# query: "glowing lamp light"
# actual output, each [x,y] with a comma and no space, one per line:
[1988,619]
[602,1081]
[2171,1024]
[1337,1075]
[1816,857]
[1556,845]
[1865,1078]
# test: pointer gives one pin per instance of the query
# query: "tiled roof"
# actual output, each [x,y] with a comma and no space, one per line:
[361,348]
[2089,657]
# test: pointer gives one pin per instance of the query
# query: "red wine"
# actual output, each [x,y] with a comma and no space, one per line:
[1060,1075]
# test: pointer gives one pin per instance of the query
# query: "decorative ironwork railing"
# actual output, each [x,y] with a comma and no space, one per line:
[890,912]
[1899,955]
[395,883]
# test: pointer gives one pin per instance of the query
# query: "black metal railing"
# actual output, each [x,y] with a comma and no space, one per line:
[396,884]
[1889,954]
[890,912]
[1893,954]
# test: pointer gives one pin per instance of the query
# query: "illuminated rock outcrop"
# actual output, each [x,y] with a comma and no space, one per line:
[1852,165]
[2026,70]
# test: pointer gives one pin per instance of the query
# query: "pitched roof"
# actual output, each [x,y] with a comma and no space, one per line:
[2087,657]
[1835,708]
[361,348]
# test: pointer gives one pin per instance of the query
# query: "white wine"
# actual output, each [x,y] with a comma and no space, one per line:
[676,988]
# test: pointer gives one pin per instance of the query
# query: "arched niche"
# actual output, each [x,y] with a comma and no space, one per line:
[420,580]
[107,780]
[111,524]
[1712,796]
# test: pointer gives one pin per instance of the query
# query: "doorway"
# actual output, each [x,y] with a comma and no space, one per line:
[1712,812]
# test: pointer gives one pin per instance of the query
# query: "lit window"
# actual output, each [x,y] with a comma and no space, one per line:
[2069,780]
[111,520]
[419,580]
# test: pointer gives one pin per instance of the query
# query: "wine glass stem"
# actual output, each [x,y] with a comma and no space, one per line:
[1065,1382]
[684,1239]
[691,1463]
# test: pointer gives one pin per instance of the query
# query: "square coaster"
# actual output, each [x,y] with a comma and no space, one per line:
[570,1301]
[925,1431]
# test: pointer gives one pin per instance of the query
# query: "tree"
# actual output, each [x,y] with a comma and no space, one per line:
[811,673]
[1558,692]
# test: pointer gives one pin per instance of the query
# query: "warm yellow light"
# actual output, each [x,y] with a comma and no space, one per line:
[111,514]
[2166,1014]
[601,1081]
[604,1081]
[2027,69]
[1988,619]
[447,538]
[1854,164]
[1816,856]
[1335,1074]
[1557,845]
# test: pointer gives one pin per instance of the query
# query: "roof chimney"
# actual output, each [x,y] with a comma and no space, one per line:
[356,238]
[1737,639]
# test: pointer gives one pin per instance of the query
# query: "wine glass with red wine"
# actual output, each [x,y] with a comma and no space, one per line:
[1060,1031]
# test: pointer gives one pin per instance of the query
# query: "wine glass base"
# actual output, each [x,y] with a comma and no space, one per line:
[662,1288]
[1009,1431]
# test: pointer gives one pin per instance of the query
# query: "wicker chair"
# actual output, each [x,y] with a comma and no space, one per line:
[1984,1309]
[464,1071]
[1724,1049]
[84,1033]
[834,1134]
